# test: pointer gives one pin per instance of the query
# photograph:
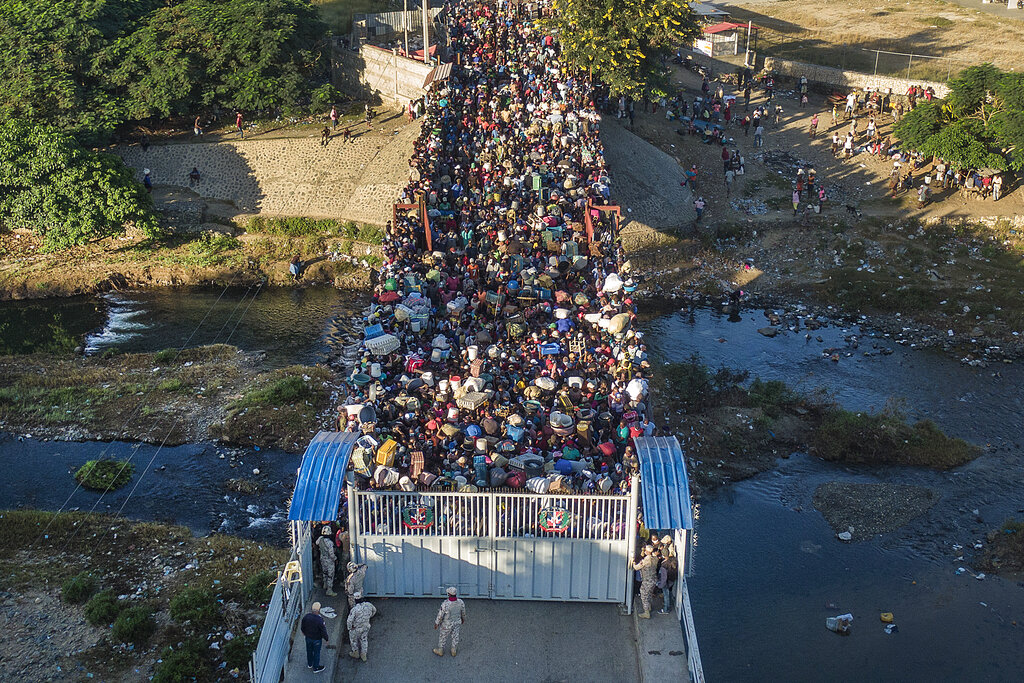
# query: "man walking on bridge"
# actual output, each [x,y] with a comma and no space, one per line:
[449,621]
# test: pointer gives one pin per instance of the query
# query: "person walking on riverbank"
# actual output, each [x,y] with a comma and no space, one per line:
[238,125]
[197,128]
[314,628]
[449,621]
[334,117]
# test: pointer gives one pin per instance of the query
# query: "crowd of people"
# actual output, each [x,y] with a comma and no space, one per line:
[499,349]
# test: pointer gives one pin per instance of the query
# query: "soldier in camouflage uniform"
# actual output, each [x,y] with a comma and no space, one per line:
[647,566]
[359,628]
[328,559]
[354,582]
[449,621]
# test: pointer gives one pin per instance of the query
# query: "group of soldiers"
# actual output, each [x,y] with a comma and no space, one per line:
[658,568]
[448,622]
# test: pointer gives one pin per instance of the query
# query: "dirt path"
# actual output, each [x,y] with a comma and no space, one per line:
[357,180]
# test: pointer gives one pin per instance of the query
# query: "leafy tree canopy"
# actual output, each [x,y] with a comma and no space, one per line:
[88,65]
[67,194]
[621,42]
[979,124]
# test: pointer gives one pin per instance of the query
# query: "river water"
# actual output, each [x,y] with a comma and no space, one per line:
[289,325]
[767,568]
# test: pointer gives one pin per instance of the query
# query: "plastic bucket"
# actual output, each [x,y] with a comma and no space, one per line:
[473,351]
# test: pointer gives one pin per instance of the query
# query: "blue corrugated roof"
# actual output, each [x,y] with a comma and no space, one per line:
[321,477]
[664,486]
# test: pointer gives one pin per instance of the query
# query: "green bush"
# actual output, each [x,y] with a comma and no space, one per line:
[259,587]
[165,356]
[186,663]
[195,605]
[103,608]
[280,392]
[173,384]
[105,475]
[886,438]
[771,396]
[134,625]
[238,651]
[78,588]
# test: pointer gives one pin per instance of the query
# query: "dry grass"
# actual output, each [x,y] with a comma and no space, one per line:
[837,33]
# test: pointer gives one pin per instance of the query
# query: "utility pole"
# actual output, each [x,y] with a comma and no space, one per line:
[426,32]
[405,25]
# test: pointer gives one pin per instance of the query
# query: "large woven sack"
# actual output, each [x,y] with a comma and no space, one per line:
[538,485]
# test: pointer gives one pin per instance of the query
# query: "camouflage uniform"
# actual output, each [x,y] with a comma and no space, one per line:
[449,622]
[647,567]
[359,628]
[354,582]
[328,562]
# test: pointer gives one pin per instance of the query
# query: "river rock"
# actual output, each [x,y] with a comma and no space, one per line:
[769,331]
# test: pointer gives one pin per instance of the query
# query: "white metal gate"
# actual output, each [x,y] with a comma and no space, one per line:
[516,546]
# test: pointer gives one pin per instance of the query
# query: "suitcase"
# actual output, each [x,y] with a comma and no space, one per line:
[415,464]
[386,453]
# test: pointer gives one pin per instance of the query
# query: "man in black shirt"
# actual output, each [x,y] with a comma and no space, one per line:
[315,630]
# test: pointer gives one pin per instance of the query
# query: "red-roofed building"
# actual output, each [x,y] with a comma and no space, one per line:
[720,39]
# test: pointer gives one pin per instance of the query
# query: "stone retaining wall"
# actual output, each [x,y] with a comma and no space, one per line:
[376,71]
[848,79]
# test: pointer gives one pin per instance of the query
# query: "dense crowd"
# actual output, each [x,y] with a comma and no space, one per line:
[503,354]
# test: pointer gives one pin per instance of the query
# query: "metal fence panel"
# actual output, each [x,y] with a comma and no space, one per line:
[495,544]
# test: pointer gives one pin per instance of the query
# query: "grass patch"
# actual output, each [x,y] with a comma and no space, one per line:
[185,663]
[78,588]
[44,393]
[885,438]
[279,408]
[300,226]
[260,587]
[105,475]
[938,22]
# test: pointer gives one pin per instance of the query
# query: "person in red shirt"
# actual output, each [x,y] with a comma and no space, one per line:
[238,124]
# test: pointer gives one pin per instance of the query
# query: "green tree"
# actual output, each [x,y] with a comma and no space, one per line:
[979,124]
[67,194]
[621,42]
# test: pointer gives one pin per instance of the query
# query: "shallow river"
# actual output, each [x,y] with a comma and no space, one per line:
[768,569]
[765,574]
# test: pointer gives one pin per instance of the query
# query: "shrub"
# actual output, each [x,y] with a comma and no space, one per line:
[259,587]
[165,356]
[105,475]
[238,651]
[280,392]
[886,438]
[103,608]
[173,384]
[195,605]
[78,588]
[771,396]
[187,663]
[134,625]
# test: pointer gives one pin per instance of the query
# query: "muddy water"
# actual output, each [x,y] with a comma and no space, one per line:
[768,569]
[288,325]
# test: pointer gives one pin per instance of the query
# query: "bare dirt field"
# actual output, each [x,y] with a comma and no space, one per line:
[966,35]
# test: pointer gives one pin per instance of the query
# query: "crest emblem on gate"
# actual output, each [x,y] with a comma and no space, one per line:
[554,519]
[417,517]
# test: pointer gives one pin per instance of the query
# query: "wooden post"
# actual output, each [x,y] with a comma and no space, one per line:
[426,32]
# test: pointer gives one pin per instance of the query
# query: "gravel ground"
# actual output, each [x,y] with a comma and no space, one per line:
[871,508]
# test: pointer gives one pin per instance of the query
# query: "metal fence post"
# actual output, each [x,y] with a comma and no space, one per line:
[876,63]
[910,61]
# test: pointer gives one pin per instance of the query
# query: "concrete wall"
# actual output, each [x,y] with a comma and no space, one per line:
[375,71]
[847,79]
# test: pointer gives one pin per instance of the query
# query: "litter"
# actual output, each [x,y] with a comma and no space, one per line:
[839,624]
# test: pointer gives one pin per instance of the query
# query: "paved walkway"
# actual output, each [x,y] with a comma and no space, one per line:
[295,669]
[502,641]
[296,176]
[661,648]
